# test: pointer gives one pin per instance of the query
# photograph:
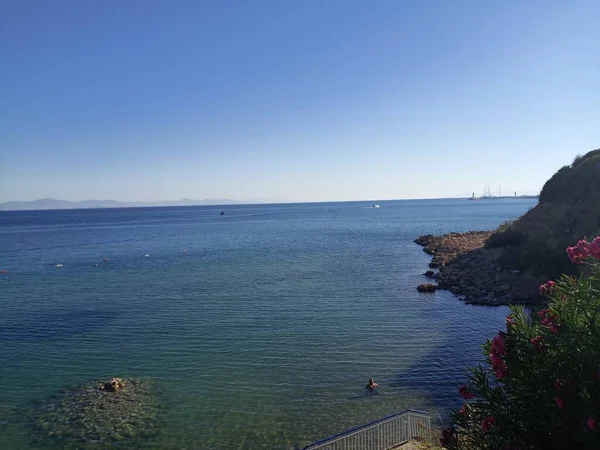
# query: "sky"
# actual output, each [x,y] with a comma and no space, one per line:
[293,100]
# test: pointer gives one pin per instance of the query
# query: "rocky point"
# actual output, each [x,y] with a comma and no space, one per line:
[476,273]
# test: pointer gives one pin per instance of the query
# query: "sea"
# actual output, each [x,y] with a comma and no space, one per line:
[259,327]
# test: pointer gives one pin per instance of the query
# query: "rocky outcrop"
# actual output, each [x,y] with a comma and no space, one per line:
[478,274]
[113,385]
[427,287]
[115,413]
[445,248]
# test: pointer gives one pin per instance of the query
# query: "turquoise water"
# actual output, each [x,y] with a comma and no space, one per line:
[260,327]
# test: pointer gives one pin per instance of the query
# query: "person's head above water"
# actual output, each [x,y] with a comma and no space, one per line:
[371,380]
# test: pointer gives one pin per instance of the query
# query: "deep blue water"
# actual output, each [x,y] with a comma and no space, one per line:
[261,327]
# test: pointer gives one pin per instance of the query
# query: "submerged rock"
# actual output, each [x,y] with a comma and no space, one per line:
[114,413]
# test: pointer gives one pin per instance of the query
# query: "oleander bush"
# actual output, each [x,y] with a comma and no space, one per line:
[540,385]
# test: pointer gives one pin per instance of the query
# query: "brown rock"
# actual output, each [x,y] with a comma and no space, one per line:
[427,287]
[113,385]
[424,240]
[480,274]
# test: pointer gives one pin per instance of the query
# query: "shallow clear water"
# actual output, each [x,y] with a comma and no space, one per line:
[261,327]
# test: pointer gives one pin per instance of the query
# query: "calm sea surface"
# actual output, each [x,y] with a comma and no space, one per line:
[260,327]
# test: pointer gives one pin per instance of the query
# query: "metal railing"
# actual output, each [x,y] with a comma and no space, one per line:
[387,433]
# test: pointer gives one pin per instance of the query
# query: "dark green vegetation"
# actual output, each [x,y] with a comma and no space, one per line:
[93,417]
[569,209]
[540,386]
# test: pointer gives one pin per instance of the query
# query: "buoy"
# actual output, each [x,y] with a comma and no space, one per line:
[4,271]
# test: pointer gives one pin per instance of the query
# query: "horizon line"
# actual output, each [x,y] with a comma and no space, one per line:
[130,204]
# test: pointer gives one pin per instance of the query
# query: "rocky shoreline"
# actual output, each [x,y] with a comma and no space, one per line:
[479,275]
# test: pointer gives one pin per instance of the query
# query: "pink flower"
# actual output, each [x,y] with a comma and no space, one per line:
[498,346]
[463,410]
[498,365]
[464,392]
[591,423]
[487,423]
[497,351]
[548,320]
[500,371]
[579,253]
[595,248]
[547,288]
[560,402]
[538,343]
[510,320]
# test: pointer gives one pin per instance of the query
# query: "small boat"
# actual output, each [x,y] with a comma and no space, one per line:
[222,213]
[375,206]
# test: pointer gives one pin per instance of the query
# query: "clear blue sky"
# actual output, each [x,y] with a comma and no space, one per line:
[304,100]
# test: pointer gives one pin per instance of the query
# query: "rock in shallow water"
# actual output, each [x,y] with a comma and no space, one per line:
[116,413]
[427,287]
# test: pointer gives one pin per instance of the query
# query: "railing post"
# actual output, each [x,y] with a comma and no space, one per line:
[429,436]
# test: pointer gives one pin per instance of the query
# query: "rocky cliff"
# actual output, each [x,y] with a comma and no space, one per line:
[508,265]
[568,210]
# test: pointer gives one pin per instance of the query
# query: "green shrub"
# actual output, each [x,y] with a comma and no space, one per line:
[576,182]
[543,257]
[506,235]
[505,226]
[540,386]
[510,237]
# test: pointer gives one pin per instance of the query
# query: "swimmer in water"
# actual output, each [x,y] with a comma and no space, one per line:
[371,385]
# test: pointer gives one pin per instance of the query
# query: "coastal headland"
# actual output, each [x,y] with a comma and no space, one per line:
[507,265]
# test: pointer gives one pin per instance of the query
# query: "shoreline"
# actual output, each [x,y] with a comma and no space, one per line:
[478,275]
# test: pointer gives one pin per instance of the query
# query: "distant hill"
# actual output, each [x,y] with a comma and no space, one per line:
[568,210]
[51,203]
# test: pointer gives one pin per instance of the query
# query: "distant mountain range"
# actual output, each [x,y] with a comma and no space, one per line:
[51,203]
